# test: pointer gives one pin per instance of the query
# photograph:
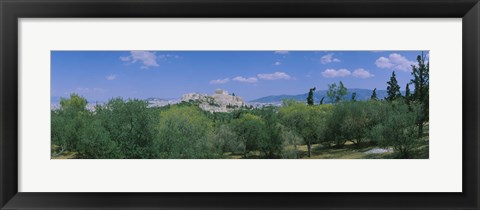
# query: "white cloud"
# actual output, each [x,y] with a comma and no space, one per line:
[362,73]
[247,80]
[219,81]
[331,73]
[395,61]
[281,52]
[383,62]
[277,63]
[148,59]
[328,58]
[274,76]
[111,77]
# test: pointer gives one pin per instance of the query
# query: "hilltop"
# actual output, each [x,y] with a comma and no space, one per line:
[220,101]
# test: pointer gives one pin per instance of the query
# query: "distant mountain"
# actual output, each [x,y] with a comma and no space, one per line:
[362,94]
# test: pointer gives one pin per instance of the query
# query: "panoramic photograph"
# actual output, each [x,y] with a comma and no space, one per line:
[239,104]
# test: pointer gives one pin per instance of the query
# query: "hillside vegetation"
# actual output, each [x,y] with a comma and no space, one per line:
[343,128]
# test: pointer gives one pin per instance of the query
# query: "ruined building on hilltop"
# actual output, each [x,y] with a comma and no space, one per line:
[220,101]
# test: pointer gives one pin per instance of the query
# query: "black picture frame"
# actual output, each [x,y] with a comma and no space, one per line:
[11,10]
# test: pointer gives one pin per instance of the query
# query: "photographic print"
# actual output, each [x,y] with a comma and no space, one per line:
[239,104]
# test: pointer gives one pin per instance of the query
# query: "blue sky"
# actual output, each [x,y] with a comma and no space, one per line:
[101,75]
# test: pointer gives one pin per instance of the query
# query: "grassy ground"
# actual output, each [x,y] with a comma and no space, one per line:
[349,151]
[66,155]
[58,154]
[318,152]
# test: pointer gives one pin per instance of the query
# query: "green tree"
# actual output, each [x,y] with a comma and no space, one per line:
[310,99]
[250,130]
[374,94]
[306,121]
[94,142]
[420,95]
[273,143]
[336,93]
[184,132]
[58,135]
[332,92]
[398,130]
[354,125]
[407,92]
[333,127]
[295,117]
[321,100]
[358,119]
[131,124]
[291,140]
[393,89]
[226,138]
[354,95]
[341,91]
[408,95]
[67,121]
[75,103]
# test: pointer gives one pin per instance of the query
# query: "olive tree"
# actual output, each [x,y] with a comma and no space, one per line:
[185,132]
[273,143]
[355,125]
[398,129]
[250,130]
[67,121]
[94,142]
[334,132]
[359,119]
[306,121]
[131,124]
[227,140]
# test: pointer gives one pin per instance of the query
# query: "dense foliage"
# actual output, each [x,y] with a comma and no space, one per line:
[128,128]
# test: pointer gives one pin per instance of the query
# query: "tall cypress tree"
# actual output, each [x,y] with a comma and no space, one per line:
[393,89]
[420,80]
[408,97]
[374,95]
[321,100]
[407,92]
[310,96]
